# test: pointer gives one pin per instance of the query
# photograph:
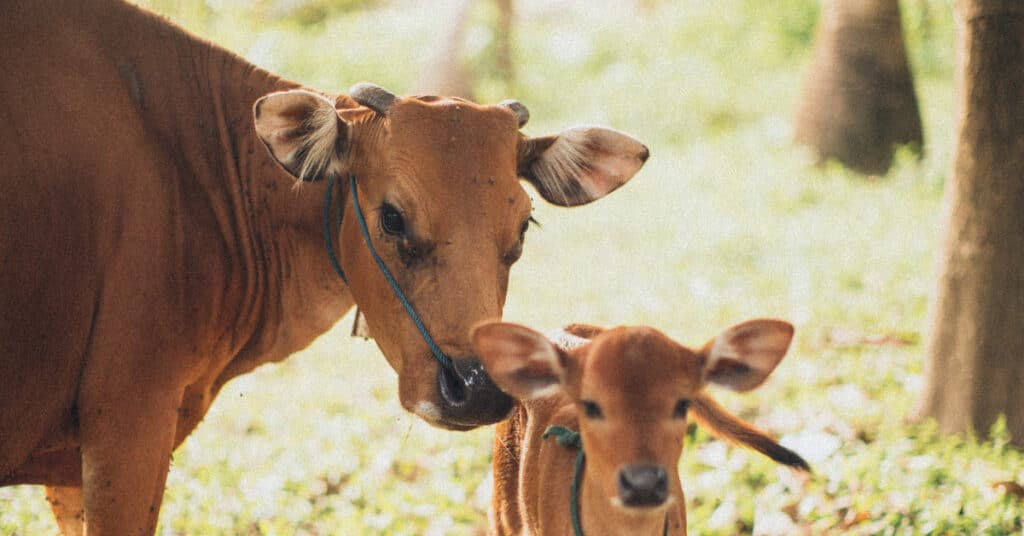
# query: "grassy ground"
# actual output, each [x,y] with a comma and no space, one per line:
[726,222]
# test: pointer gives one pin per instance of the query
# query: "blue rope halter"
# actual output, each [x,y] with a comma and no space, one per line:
[440,356]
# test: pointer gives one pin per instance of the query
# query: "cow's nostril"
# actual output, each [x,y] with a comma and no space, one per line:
[452,388]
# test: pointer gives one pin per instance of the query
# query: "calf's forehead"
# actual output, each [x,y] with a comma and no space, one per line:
[634,365]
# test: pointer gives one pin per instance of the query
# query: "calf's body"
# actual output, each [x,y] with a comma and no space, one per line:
[628,393]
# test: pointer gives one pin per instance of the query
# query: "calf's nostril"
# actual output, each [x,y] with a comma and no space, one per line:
[643,485]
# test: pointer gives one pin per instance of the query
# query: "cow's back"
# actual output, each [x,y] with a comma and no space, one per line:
[72,143]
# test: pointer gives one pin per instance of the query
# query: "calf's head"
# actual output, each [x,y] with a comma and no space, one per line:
[438,181]
[631,387]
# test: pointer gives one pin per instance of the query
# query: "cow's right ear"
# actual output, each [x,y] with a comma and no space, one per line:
[521,361]
[303,132]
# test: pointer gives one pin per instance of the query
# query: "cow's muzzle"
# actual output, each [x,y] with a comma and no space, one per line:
[469,397]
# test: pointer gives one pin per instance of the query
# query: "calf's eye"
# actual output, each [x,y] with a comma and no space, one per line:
[391,220]
[592,410]
[680,410]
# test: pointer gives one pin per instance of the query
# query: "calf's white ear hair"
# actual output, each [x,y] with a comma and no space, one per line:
[521,361]
[741,357]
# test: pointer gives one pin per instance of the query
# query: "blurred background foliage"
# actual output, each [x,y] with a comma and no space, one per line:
[727,221]
[699,67]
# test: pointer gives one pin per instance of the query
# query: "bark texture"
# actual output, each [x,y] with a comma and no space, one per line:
[446,72]
[449,71]
[975,348]
[859,102]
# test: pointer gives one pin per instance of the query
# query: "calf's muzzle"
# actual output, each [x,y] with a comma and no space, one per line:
[469,397]
[643,484]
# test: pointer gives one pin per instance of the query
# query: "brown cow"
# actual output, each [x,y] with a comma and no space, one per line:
[153,248]
[628,393]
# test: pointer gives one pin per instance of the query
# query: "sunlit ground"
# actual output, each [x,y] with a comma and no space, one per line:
[726,222]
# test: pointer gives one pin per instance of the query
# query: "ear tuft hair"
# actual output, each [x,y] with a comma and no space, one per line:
[302,131]
[581,164]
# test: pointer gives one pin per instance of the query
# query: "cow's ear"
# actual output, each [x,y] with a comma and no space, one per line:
[521,361]
[581,164]
[303,132]
[741,357]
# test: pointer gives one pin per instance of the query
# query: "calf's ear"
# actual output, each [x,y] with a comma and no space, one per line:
[580,165]
[302,131]
[521,361]
[741,357]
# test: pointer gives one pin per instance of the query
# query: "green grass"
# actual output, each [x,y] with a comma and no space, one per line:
[726,222]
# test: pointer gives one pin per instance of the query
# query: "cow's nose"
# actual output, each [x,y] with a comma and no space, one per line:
[643,484]
[468,395]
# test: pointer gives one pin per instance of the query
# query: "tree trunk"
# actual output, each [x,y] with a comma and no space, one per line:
[859,102]
[446,72]
[449,72]
[975,349]
[503,36]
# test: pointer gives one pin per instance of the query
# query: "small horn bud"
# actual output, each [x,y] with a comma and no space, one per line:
[517,108]
[372,96]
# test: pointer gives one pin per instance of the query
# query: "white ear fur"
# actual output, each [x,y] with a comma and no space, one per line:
[742,356]
[565,340]
[521,361]
[581,164]
[302,130]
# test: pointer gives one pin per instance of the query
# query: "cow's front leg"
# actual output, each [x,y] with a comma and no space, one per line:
[127,432]
[68,509]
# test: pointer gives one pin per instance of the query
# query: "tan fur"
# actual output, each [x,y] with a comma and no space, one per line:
[153,249]
[636,376]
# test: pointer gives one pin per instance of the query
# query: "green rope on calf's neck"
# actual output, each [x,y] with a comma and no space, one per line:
[571,439]
[564,436]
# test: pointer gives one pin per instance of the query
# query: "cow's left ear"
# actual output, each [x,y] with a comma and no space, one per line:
[581,164]
[303,132]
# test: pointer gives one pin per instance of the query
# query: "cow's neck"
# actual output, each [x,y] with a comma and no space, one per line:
[280,279]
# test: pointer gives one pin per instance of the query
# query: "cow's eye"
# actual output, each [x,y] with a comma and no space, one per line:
[592,410]
[681,408]
[391,220]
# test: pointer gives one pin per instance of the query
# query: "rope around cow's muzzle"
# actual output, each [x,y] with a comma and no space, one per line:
[442,359]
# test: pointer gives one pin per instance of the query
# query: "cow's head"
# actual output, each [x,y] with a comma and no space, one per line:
[438,181]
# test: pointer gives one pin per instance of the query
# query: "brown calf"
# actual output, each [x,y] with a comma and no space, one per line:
[628,392]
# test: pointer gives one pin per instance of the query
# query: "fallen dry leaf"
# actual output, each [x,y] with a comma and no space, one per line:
[1010,487]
